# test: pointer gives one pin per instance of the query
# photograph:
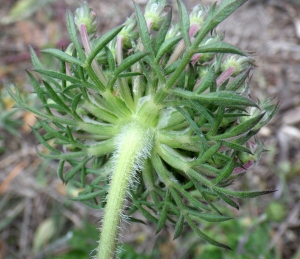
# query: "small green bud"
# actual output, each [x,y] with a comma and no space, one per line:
[86,16]
[203,71]
[268,107]
[198,15]
[257,148]
[129,31]
[113,47]
[173,31]
[155,14]
[238,63]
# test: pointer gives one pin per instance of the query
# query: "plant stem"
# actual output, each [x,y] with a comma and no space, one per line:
[134,144]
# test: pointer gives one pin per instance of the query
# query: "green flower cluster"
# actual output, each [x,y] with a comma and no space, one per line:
[157,112]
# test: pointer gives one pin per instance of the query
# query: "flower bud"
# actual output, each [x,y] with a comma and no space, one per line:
[128,32]
[256,147]
[155,14]
[238,63]
[86,16]
[203,71]
[113,47]
[268,107]
[197,16]
[173,31]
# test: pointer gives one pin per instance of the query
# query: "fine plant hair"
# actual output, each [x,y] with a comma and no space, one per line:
[156,112]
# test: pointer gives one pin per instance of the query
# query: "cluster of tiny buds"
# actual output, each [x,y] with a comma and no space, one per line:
[84,15]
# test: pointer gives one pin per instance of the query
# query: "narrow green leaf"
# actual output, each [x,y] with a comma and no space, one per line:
[70,174]
[58,75]
[225,98]
[214,17]
[191,78]
[230,202]
[220,47]
[218,120]
[235,115]
[202,192]
[189,197]
[164,213]
[56,107]
[236,147]
[167,46]
[130,74]
[103,41]
[73,35]
[34,59]
[132,219]
[194,126]
[208,154]
[184,22]
[178,226]
[68,89]
[76,101]
[44,142]
[161,34]
[102,148]
[171,68]
[207,115]
[63,70]
[82,177]
[52,131]
[194,174]
[38,90]
[226,172]
[143,29]
[240,129]
[53,74]
[145,213]
[226,8]
[53,95]
[65,156]
[203,236]
[208,217]
[60,170]
[239,81]
[110,59]
[17,98]
[129,61]
[243,194]
[181,80]
[88,196]
[207,81]
[69,134]
[62,56]
[38,65]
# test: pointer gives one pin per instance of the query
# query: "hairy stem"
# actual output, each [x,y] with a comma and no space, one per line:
[134,145]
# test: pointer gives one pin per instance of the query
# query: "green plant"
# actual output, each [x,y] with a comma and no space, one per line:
[8,120]
[159,113]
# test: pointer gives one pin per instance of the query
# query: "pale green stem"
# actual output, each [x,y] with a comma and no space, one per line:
[133,144]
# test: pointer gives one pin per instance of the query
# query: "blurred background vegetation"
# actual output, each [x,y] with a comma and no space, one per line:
[39,220]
